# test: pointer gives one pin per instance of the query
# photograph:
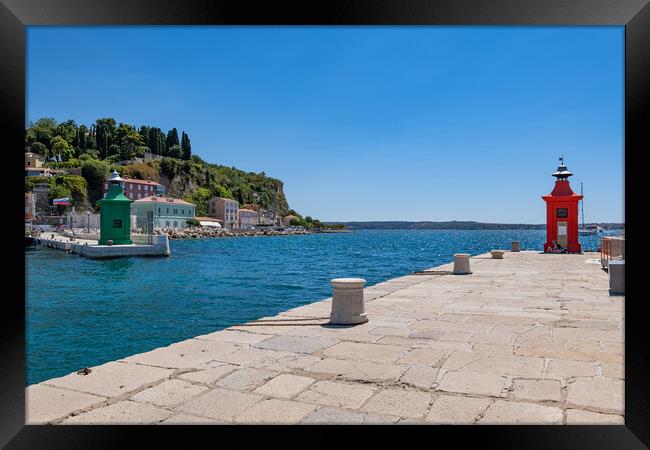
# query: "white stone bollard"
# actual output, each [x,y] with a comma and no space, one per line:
[616,271]
[348,306]
[497,254]
[516,246]
[461,264]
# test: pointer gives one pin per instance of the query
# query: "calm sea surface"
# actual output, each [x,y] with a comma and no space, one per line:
[83,312]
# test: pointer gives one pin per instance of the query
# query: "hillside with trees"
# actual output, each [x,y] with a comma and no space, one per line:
[107,145]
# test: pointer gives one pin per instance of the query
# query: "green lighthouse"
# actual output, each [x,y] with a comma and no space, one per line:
[115,214]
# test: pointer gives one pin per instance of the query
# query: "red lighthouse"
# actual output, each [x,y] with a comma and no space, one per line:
[562,213]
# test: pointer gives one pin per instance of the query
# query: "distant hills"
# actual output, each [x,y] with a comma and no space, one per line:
[456,225]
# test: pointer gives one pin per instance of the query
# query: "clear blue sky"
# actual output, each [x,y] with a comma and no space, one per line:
[363,123]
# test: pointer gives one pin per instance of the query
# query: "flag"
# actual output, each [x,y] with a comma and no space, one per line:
[61,201]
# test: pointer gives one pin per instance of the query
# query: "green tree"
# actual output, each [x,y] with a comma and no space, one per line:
[156,141]
[175,151]
[200,197]
[82,132]
[68,131]
[39,147]
[105,130]
[121,132]
[186,146]
[61,148]
[131,144]
[95,172]
[75,185]
[169,167]
[43,130]
[172,139]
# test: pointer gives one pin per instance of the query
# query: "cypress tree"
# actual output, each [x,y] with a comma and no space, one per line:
[172,139]
[186,146]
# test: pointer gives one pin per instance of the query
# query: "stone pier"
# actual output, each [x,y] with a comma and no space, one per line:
[530,339]
[143,245]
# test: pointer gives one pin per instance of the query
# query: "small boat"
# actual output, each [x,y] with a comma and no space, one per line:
[588,230]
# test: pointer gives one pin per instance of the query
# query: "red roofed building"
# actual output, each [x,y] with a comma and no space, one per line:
[136,189]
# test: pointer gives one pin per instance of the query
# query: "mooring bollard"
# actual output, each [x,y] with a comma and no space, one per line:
[461,264]
[497,254]
[348,306]
[516,246]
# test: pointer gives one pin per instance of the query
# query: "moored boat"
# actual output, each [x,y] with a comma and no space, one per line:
[588,230]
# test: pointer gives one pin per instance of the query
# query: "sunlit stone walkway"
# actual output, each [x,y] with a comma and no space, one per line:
[529,339]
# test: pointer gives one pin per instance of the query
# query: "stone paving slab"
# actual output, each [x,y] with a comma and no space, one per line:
[44,404]
[337,416]
[121,413]
[112,379]
[332,393]
[532,338]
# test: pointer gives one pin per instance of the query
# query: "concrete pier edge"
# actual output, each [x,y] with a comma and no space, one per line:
[532,338]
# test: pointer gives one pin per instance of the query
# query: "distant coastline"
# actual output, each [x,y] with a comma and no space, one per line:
[456,225]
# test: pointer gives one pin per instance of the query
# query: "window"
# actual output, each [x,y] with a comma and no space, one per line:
[562,213]
[166,223]
[158,211]
[117,223]
[167,210]
[175,211]
[183,211]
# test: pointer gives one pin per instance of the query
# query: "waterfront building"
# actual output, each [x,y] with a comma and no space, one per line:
[136,189]
[115,214]
[268,217]
[30,205]
[247,218]
[562,213]
[32,160]
[224,209]
[38,172]
[158,212]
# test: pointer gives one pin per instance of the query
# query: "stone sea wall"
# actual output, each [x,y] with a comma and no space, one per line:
[205,232]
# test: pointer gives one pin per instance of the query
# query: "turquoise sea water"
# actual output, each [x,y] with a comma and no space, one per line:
[82,312]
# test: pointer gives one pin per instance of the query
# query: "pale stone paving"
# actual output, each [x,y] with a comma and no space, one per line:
[529,339]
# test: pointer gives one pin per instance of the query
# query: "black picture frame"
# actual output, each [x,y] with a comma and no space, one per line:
[634,15]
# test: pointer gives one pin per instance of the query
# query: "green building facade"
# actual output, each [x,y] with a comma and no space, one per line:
[115,214]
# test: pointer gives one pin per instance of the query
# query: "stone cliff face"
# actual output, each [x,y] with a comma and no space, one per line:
[180,186]
[254,189]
